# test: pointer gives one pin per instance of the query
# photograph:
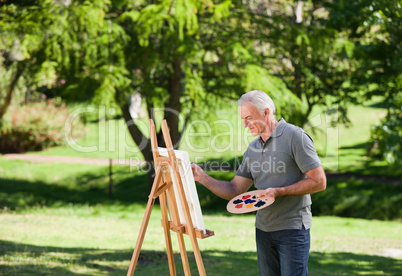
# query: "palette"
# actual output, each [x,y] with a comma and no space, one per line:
[248,202]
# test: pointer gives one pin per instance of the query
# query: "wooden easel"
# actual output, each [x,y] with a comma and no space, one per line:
[163,188]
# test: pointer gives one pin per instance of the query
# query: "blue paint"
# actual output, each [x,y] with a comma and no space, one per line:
[247,201]
[260,203]
[237,201]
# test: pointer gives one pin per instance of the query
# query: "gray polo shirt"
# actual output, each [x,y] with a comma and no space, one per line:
[281,161]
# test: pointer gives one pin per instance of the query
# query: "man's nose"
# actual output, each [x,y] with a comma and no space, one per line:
[245,123]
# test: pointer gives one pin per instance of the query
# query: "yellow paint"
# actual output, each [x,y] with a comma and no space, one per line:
[250,205]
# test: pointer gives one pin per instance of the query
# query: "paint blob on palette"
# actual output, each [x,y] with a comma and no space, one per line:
[248,202]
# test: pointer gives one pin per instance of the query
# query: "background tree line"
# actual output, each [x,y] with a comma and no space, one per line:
[188,57]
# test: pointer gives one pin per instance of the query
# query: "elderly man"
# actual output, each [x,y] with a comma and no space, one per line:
[283,163]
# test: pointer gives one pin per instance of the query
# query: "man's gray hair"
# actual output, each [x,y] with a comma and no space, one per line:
[259,99]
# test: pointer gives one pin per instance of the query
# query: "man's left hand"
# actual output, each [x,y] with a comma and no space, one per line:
[270,192]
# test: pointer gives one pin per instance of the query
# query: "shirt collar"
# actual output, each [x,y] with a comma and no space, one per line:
[279,128]
[277,131]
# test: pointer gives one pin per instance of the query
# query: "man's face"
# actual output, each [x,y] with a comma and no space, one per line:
[252,119]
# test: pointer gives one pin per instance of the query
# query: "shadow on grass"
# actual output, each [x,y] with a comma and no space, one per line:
[89,188]
[352,264]
[83,189]
[368,165]
[364,145]
[379,105]
[25,259]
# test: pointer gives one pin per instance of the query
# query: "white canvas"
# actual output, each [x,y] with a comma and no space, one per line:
[190,190]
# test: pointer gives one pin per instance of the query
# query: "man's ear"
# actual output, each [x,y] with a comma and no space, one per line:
[266,112]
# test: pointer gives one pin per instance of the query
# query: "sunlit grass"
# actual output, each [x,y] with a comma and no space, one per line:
[77,240]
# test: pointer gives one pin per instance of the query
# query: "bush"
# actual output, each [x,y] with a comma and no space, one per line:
[359,199]
[36,126]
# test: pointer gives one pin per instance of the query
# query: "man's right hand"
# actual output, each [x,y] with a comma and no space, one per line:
[223,189]
[197,172]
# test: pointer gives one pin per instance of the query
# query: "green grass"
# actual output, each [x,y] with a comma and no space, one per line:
[97,240]
[104,139]
[25,184]
[58,219]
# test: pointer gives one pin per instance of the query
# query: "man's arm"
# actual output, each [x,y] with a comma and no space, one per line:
[316,181]
[223,189]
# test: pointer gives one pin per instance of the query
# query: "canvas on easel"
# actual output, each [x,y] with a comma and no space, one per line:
[173,195]
[190,190]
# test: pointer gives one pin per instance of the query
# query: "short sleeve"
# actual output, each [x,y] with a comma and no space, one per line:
[303,150]
[244,169]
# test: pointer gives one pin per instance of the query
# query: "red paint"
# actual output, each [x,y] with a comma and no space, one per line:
[246,196]
[238,206]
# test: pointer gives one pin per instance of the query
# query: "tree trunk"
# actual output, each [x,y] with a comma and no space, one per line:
[10,89]
[173,108]
[172,115]
[143,143]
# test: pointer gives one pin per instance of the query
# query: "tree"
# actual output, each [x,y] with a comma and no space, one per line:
[183,57]
[380,72]
[169,51]
[43,40]
[300,45]
[188,55]
[375,29]
[174,66]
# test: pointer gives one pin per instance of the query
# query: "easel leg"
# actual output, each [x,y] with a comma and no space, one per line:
[183,252]
[176,220]
[168,240]
[144,225]
[141,236]
[197,254]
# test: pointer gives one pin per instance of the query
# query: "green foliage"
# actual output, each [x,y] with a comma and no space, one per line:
[298,44]
[382,76]
[375,28]
[359,199]
[36,126]
[386,136]
[56,43]
[285,101]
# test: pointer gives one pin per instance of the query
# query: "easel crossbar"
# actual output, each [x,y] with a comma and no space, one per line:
[198,233]
[161,189]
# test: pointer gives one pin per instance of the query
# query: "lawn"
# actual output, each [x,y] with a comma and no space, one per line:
[98,240]
[65,223]
[58,219]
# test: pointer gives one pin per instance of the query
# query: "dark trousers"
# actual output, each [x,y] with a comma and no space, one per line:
[283,253]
